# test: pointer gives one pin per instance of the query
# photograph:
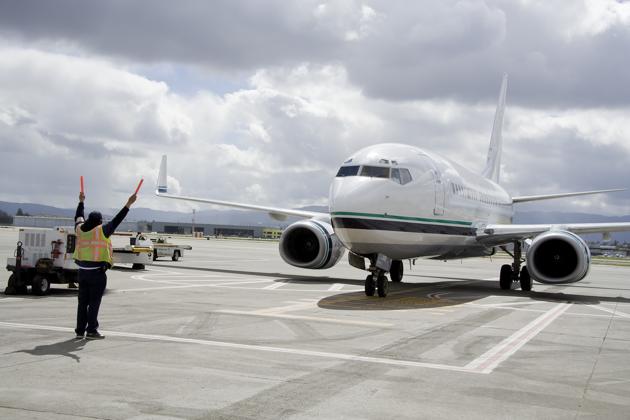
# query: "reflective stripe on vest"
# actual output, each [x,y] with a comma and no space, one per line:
[93,246]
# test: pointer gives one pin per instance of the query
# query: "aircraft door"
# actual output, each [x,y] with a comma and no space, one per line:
[440,194]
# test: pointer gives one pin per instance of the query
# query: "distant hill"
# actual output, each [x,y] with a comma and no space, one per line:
[243,217]
[226,217]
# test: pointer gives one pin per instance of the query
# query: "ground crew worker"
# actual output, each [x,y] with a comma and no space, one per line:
[93,254]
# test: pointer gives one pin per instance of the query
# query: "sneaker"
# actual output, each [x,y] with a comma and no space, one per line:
[94,336]
[79,337]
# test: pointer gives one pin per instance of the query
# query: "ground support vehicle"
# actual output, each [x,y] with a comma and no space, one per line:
[45,256]
[161,248]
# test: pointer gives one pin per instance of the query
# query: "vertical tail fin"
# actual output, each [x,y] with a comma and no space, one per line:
[161,181]
[493,161]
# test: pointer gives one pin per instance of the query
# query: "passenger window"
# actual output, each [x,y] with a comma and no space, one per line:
[375,171]
[348,171]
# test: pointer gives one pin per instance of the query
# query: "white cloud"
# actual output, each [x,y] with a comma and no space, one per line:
[319,80]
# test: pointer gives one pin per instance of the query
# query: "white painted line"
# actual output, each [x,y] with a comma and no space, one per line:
[253,347]
[335,287]
[610,311]
[11,299]
[498,305]
[539,311]
[185,286]
[309,318]
[275,285]
[488,361]
[299,306]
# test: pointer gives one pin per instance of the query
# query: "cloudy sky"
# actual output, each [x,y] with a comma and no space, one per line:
[260,101]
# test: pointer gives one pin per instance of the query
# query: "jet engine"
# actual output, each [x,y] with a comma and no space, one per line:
[556,257]
[310,244]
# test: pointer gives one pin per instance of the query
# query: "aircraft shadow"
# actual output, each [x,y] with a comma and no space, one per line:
[450,291]
[404,296]
[280,277]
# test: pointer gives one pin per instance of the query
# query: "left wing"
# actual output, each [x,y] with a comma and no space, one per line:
[275,212]
[500,234]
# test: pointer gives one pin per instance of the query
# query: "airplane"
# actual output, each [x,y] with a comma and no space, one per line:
[390,202]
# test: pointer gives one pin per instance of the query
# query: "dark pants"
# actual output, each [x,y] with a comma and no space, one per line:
[92,285]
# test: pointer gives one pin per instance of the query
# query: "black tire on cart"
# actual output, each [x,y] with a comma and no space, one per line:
[11,288]
[40,285]
[175,256]
[137,266]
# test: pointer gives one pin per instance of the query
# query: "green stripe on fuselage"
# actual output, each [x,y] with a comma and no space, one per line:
[395,217]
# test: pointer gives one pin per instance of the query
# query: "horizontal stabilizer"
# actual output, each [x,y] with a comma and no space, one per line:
[527,198]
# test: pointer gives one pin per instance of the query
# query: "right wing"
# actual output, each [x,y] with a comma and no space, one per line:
[524,199]
[502,234]
[274,212]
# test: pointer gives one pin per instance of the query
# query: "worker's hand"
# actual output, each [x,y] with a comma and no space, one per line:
[131,200]
[81,197]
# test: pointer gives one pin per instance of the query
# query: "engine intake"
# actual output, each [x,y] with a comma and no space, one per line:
[310,244]
[558,257]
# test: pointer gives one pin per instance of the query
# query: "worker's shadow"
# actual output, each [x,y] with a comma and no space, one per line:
[63,348]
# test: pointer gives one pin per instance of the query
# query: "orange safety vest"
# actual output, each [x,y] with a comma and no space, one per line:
[93,246]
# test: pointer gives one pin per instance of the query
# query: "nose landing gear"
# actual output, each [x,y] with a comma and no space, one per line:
[377,281]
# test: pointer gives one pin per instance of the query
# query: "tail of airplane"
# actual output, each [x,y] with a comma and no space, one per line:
[161,181]
[493,161]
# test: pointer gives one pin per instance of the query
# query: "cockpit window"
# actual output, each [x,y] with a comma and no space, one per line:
[375,171]
[401,175]
[348,171]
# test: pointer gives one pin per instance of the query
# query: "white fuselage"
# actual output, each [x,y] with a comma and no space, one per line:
[403,202]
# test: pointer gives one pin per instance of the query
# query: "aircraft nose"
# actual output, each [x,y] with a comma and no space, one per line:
[351,194]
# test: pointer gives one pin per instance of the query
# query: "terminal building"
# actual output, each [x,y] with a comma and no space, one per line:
[173,228]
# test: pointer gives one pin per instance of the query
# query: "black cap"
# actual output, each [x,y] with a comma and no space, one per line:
[95,218]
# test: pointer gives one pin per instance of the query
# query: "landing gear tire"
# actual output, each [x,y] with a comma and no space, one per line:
[370,288]
[383,285]
[40,285]
[505,277]
[526,280]
[396,271]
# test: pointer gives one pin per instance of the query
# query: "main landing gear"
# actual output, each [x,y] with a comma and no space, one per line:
[514,273]
[376,281]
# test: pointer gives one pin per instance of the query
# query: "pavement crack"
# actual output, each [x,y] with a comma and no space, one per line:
[599,352]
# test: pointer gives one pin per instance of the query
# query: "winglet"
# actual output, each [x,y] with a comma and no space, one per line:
[493,161]
[161,181]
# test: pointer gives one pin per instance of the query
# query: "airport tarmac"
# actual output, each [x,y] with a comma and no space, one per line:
[232,332]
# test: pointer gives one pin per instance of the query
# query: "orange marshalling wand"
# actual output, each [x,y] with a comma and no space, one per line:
[139,185]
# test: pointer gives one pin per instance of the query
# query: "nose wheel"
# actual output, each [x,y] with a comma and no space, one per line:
[376,282]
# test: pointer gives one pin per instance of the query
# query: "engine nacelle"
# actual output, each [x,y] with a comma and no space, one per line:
[558,257]
[310,244]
